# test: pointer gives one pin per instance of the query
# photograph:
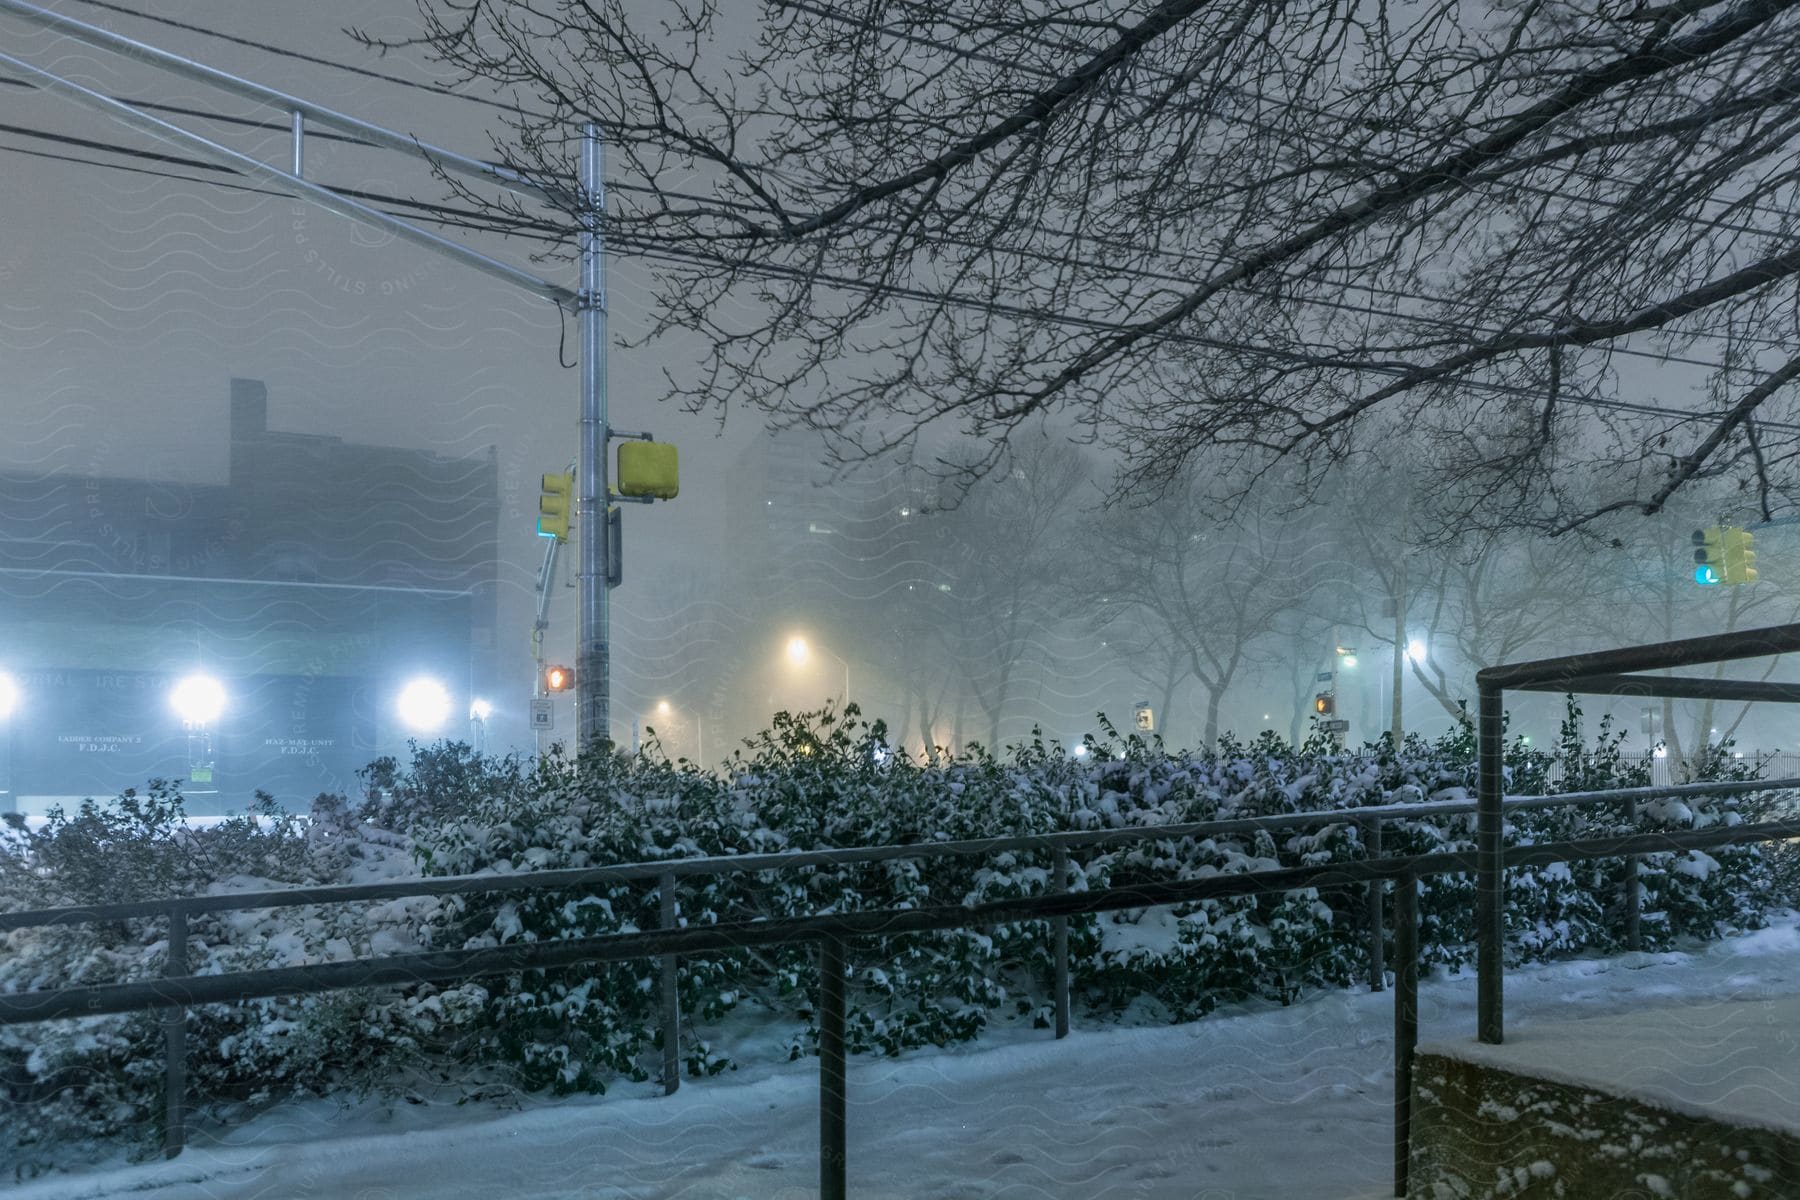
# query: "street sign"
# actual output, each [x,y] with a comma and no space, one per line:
[1323,677]
[1338,726]
[543,714]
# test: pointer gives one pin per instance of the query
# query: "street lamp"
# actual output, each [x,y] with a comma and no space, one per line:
[479,712]
[198,700]
[1415,650]
[799,651]
[664,709]
[423,705]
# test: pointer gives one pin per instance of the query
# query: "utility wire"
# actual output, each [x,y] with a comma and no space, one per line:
[1180,259]
[479,221]
[506,225]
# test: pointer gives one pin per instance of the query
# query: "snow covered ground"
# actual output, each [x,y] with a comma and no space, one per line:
[1291,1103]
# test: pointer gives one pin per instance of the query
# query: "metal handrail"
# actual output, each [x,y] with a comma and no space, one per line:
[833,932]
[178,910]
[446,965]
[445,885]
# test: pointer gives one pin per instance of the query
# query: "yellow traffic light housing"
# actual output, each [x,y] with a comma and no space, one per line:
[558,679]
[555,505]
[1325,704]
[1739,556]
[648,469]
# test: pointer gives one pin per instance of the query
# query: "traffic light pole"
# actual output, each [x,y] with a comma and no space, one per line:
[593,689]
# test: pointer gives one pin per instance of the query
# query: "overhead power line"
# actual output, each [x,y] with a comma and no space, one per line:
[1183,259]
[484,222]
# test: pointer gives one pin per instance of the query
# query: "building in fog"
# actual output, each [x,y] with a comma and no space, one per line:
[312,584]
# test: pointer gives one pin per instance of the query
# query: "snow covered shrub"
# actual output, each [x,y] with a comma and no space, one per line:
[100,1079]
[810,781]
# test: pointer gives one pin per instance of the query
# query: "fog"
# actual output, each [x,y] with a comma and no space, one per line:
[130,301]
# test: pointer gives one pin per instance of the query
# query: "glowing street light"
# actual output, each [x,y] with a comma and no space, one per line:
[198,699]
[1415,650]
[799,652]
[665,708]
[9,695]
[423,705]
[479,712]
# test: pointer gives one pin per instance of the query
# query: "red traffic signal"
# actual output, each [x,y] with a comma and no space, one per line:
[558,679]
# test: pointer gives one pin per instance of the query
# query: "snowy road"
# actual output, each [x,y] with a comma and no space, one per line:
[1290,1103]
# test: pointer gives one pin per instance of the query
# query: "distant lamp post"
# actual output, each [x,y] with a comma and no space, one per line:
[800,651]
[199,700]
[666,709]
[479,712]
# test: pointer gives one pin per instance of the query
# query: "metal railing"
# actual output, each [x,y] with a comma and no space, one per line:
[178,990]
[1611,673]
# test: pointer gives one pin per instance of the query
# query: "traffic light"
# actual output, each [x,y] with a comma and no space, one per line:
[558,679]
[554,507]
[648,469]
[1709,556]
[1325,704]
[1740,558]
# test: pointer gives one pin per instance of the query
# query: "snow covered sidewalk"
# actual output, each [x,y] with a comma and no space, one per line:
[1290,1103]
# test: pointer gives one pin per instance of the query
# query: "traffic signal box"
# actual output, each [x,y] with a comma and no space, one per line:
[1325,704]
[554,507]
[1740,559]
[558,679]
[648,469]
[1724,554]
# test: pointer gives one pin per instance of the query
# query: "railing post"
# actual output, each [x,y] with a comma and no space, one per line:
[1377,968]
[832,1098]
[1634,896]
[1490,885]
[671,995]
[1406,1019]
[175,1041]
[1059,983]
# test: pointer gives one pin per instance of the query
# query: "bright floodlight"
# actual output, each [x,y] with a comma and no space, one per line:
[1415,650]
[1349,660]
[198,699]
[798,651]
[663,707]
[480,710]
[1081,751]
[424,705]
[9,695]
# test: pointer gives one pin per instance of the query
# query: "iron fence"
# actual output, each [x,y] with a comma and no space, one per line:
[835,933]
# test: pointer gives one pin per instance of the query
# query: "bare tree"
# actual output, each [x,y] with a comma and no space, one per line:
[1006,548]
[1209,592]
[1221,227]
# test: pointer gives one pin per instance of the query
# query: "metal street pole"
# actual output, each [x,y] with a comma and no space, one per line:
[592,663]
